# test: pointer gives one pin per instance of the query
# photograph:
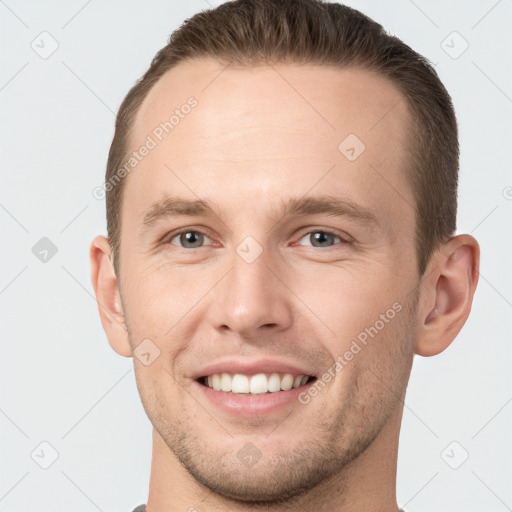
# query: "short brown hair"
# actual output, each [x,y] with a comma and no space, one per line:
[250,32]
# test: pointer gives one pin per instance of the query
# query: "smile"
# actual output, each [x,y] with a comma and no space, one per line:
[257,384]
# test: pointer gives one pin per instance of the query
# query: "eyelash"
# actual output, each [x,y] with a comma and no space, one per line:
[343,241]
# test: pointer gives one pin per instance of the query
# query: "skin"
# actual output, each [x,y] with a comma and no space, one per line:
[260,135]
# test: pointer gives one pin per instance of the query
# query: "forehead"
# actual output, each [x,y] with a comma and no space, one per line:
[322,98]
[263,131]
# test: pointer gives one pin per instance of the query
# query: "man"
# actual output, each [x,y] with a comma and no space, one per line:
[281,207]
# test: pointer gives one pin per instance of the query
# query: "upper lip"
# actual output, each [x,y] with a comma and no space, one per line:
[252,367]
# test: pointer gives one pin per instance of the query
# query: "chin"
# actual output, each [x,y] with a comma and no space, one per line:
[274,483]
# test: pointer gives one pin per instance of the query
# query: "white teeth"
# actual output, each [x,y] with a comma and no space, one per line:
[287,382]
[274,383]
[255,384]
[259,384]
[225,382]
[240,383]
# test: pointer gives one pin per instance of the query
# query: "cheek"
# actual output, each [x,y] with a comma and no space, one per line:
[157,297]
[349,299]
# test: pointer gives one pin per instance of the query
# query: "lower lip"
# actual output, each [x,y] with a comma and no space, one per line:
[240,404]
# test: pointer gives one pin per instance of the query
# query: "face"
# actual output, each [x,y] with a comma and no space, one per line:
[300,263]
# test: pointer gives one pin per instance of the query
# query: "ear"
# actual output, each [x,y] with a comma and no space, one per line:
[106,288]
[447,294]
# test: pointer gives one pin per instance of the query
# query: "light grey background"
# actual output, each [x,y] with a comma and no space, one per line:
[62,384]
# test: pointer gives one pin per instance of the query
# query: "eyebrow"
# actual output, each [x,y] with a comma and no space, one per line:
[333,206]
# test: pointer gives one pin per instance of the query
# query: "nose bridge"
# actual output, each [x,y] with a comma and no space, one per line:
[252,295]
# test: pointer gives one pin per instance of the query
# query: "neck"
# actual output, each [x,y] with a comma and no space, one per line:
[366,483]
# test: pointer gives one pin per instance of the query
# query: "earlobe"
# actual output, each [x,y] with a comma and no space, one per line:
[447,293]
[108,298]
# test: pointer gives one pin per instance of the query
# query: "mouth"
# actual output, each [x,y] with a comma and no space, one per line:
[245,388]
[255,384]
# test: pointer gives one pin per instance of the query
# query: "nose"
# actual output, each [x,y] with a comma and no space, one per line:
[253,298]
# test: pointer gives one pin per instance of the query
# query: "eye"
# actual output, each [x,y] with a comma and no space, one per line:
[322,238]
[194,239]
[189,239]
